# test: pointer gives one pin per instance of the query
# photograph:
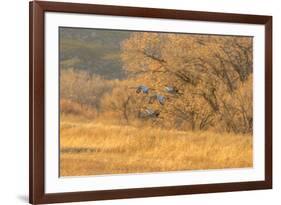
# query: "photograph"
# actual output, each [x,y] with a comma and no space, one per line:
[135,102]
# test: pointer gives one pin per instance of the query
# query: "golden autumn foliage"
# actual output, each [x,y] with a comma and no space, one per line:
[213,74]
[83,88]
[206,124]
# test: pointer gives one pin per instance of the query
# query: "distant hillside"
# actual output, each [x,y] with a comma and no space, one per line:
[97,51]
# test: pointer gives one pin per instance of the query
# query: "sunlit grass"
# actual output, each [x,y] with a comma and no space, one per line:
[90,148]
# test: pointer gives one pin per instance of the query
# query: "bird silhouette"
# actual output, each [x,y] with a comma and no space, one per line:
[171,89]
[149,113]
[142,89]
[161,99]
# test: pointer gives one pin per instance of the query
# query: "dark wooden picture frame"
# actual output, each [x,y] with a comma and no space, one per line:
[37,193]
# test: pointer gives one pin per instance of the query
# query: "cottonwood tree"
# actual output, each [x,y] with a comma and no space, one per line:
[213,73]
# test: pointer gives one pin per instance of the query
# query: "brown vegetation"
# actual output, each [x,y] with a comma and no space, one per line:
[90,148]
[213,73]
[205,124]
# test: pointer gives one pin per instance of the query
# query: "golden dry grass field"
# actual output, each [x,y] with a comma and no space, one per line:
[96,148]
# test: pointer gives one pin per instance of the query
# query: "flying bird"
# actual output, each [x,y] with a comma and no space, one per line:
[142,89]
[149,113]
[161,99]
[171,89]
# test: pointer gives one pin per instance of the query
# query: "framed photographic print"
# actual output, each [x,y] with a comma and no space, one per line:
[138,102]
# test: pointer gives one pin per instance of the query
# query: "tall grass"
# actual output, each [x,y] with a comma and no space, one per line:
[89,148]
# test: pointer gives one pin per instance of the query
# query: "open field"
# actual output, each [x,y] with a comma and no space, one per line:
[93,148]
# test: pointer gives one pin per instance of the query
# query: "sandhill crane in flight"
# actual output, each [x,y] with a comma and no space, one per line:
[142,89]
[171,89]
[161,99]
[149,113]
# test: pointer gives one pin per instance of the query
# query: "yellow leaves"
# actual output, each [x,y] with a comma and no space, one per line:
[208,69]
[140,50]
[212,73]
